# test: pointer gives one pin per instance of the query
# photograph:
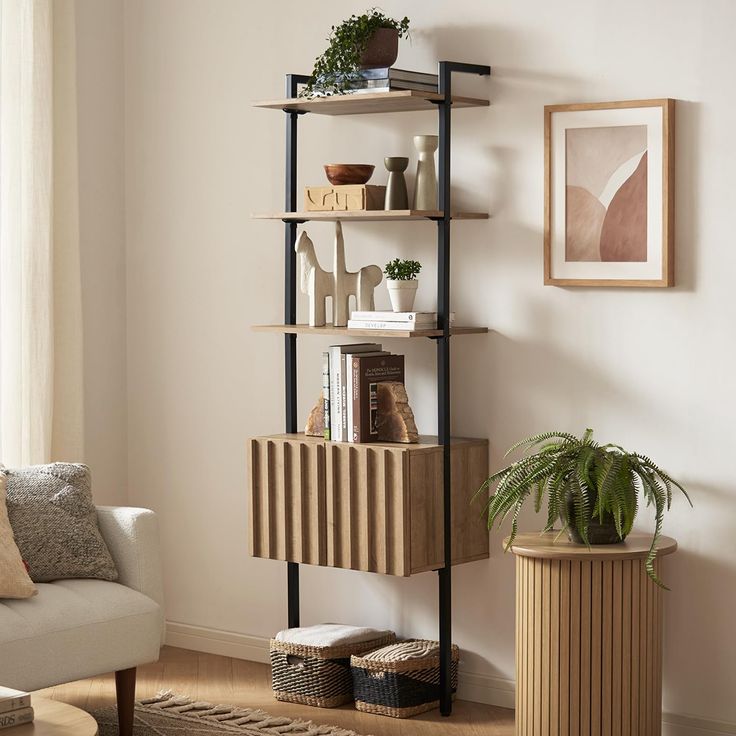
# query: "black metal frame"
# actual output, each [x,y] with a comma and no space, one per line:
[446,69]
[292,117]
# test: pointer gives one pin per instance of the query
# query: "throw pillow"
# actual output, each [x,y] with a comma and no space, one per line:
[55,523]
[14,580]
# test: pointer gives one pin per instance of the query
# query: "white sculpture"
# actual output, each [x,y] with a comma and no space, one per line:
[338,284]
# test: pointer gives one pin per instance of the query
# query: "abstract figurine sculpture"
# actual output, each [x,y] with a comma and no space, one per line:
[337,284]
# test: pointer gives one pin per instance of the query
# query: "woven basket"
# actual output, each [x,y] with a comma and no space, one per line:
[317,675]
[400,688]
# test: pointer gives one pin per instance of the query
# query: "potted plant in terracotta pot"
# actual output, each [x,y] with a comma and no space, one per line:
[592,489]
[366,41]
[401,280]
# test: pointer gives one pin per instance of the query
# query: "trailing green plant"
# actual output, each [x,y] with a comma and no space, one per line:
[398,270]
[585,483]
[336,68]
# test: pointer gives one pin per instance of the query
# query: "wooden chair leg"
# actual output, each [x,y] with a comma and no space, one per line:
[125,689]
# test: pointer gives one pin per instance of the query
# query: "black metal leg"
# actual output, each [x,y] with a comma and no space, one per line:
[446,68]
[443,385]
[290,366]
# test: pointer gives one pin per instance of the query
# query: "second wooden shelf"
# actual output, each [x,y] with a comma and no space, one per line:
[352,332]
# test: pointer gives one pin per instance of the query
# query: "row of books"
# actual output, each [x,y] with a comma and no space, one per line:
[15,708]
[350,378]
[404,321]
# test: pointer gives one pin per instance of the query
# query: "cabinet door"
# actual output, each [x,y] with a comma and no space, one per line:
[287,500]
[367,508]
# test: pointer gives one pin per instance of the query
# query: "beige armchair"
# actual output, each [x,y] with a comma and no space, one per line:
[74,629]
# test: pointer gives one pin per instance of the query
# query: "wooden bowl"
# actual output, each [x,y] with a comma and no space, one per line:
[348,173]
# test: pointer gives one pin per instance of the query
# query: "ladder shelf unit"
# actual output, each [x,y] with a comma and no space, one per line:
[443,552]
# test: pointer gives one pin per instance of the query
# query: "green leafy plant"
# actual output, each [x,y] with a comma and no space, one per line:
[336,69]
[398,270]
[586,484]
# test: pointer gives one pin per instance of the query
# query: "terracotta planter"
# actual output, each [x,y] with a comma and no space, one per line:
[381,50]
[402,294]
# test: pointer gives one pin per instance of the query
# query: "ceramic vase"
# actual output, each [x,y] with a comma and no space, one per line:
[397,198]
[425,191]
[402,294]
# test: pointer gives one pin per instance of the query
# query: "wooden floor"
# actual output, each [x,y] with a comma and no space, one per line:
[237,682]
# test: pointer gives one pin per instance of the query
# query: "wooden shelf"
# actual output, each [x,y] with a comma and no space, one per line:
[369,215]
[362,104]
[345,332]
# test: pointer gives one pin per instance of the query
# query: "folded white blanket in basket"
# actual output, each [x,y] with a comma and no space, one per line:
[329,635]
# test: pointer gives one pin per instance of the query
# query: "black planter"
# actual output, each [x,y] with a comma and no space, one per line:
[600,531]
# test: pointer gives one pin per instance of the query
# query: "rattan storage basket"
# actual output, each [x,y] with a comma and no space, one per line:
[400,687]
[317,675]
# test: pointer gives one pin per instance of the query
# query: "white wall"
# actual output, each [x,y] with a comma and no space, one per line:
[651,369]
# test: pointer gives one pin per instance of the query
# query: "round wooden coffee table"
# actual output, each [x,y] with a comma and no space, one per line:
[53,718]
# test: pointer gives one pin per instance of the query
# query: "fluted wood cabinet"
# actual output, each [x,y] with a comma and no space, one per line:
[588,637]
[376,507]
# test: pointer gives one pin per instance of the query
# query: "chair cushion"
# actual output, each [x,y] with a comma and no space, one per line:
[75,629]
[14,580]
[55,523]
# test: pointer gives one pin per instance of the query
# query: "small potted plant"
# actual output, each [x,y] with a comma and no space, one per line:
[364,41]
[401,279]
[593,489]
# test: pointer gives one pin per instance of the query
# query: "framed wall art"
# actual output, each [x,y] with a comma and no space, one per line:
[609,194]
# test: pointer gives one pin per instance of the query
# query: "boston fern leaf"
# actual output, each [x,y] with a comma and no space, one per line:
[585,484]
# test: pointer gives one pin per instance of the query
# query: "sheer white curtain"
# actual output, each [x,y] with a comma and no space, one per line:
[29,307]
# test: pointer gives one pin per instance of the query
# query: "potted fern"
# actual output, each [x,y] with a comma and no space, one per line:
[401,280]
[364,41]
[593,489]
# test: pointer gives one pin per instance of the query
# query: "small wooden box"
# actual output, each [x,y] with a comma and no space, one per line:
[344,198]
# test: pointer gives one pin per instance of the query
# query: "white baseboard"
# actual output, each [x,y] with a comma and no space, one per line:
[213,641]
[474,687]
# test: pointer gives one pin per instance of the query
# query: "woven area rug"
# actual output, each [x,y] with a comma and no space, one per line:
[171,715]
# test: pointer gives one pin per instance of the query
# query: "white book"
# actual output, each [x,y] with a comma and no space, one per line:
[13,699]
[378,325]
[338,419]
[15,717]
[418,317]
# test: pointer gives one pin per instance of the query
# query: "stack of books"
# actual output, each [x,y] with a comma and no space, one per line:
[403,321]
[15,708]
[391,80]
[350,376]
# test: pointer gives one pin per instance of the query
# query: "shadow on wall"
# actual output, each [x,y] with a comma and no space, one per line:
[697,584]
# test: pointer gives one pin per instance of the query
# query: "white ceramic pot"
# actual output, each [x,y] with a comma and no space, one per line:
[402,294]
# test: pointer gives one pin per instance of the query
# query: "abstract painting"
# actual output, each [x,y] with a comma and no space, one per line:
[608,194]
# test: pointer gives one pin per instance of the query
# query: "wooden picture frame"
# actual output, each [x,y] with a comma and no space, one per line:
[608,202]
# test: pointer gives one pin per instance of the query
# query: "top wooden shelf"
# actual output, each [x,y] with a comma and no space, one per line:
[362,104]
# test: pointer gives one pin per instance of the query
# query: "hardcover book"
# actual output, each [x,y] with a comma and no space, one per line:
[349,389]
[367,373]
[16,717]
[326,392]
[13,699]
[359,324]
[338,417]
[386,316]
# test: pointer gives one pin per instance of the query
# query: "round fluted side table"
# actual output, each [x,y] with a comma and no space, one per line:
[588,637]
